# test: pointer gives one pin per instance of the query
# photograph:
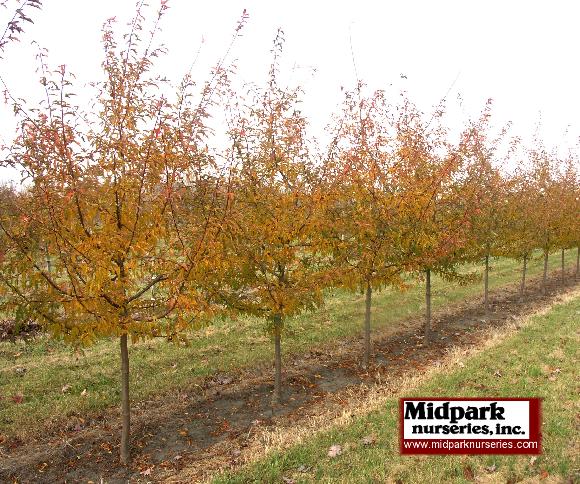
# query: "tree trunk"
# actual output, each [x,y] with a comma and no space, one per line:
[563,269]
[277,396]
[367,328]
[578,263]
[125,407]
[427,305]
[523,283]
[545,276]
[486,286]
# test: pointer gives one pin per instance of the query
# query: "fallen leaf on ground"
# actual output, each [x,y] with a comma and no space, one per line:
[369,439]
[544,474]
[335,450]
[18,398]
[20,370]
[146,472]
[491,468]
[65,388]
[84,393]
[533,459]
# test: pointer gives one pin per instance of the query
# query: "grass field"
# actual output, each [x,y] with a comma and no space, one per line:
[33,376]
[541,360]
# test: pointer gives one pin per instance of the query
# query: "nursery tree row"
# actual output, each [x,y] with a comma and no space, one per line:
[135,220]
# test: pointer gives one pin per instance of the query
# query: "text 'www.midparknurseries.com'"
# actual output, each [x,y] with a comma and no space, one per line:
[470,426]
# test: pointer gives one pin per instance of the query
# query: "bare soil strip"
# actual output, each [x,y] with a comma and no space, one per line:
[198,431]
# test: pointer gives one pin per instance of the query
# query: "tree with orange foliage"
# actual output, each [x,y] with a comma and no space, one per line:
[125,204]
[519,231]
[567,194]
[486,190]
[434,213]
[273,269]
[362,229]
[546,205]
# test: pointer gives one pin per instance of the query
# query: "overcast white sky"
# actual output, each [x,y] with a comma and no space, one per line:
[523,54]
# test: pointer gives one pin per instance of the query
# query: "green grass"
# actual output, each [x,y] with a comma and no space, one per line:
[158,367]
[526,361]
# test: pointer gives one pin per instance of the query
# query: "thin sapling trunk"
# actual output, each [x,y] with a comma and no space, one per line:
[125,407]
[48,264]
[578,262]
[545,276]
[486,286]
[563,269]
[277,396]
[367,327]
[427,305]
[523,283]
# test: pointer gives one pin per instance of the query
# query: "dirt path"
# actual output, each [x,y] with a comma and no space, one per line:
[204,429]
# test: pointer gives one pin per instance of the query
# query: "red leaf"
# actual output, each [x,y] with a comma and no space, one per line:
[468,473]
